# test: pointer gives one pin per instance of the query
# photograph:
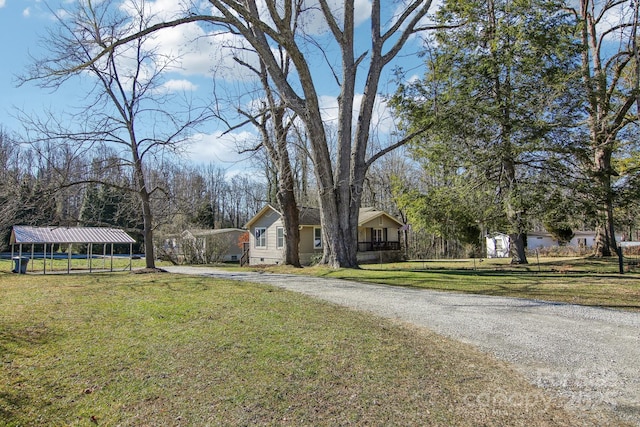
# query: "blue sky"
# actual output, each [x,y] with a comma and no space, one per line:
[20,21]
[23,22]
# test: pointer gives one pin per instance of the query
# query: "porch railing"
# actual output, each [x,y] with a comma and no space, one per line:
[378,246]
[244,259]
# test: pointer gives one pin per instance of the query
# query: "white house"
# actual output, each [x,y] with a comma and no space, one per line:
[498,243]
[580,239]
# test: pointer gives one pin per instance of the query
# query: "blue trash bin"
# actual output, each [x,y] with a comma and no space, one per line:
[21,265]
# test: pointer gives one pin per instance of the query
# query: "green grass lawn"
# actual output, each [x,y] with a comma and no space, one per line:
[160,349]
[585,281]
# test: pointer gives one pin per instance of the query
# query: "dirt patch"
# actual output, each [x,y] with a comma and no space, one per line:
[148,271]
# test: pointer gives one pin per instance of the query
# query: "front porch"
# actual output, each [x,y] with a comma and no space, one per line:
[378,246]
[379,251]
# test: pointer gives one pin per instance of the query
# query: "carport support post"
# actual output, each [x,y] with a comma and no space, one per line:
[90,256]
[130,256]
[112,257]
[69,259]
[32,252]
[44,259]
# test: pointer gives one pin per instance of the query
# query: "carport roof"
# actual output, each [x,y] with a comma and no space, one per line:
[40,235]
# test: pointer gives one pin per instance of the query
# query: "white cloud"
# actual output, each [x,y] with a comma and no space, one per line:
[315,23]
[205,53]
[177,85]
[195,50]
[3,3]
[26,13]
[220,149]
[211,53]
[613,20]
[159,10]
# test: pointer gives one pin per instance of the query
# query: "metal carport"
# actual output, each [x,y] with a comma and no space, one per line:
[27,235]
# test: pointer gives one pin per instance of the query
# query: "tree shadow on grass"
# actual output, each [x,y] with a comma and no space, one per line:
[15,341]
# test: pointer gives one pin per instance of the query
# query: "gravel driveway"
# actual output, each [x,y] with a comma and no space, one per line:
[590,356]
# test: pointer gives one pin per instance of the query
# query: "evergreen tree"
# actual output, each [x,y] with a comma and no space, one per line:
[496,90]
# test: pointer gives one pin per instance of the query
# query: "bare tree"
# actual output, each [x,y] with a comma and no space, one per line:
[266,26]
[274,122]
[340,180]
[611,88]
[127,105]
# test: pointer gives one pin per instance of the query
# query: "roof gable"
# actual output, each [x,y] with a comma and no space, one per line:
[260,214]
[369,213]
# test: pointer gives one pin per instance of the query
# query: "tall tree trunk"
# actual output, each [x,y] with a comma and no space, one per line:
[278,154]
[290,219]
[605,243]
[514,211]
[339,234]
[147,220]
[286,194]
[145,200]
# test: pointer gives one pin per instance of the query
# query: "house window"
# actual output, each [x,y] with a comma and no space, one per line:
[317,238]
[377,234]
[279,237]
[261,237]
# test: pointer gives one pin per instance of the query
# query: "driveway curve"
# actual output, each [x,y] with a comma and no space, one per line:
[589,356]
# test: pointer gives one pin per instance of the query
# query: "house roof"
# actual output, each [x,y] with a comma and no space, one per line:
[311,216]
[39,235]
[212,232]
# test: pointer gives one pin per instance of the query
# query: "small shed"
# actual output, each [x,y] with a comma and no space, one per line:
[498,245]
[22,235]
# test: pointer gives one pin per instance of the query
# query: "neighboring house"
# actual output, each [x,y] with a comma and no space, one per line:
[580,240]
[205,246]
[378,236]
[498,243]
